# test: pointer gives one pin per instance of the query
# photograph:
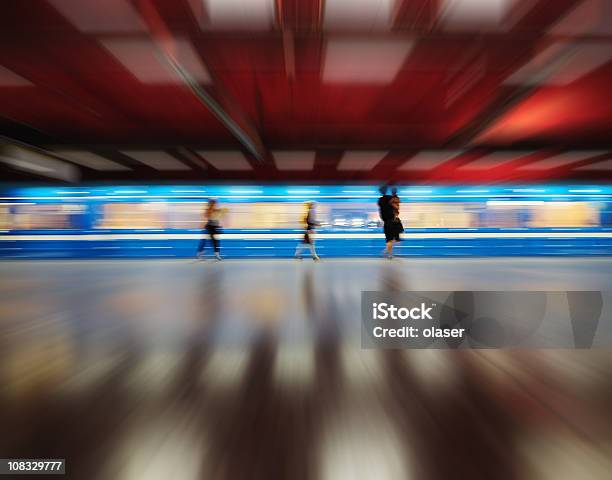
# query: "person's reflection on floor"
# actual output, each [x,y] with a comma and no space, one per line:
[207,313]
[458,430]
[392,278]
[258,430]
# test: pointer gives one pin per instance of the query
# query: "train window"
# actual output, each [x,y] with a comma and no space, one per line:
[264,215]
[46,216]
[565,214]
[5,217]
[138,216]
[504,216]
[185,215]
[348,215]
[331,215]
[605,214]
[439,215]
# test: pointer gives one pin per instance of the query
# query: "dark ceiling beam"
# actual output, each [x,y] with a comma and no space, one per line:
[222,106]
[189,158]
[23,132]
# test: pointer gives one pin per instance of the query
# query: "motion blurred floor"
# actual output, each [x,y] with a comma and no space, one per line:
[253,370]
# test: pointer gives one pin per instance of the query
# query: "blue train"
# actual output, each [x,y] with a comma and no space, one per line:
[102,221]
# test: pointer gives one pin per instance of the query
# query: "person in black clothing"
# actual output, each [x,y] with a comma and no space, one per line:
[309,226]
[388,206]
[212,217]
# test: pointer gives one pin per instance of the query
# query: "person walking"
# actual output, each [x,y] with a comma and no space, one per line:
[309,227]
[212,218]
[389,209]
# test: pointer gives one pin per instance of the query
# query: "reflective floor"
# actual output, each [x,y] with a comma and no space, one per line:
[254,370]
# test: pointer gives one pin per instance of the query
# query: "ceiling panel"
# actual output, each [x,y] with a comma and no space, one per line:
[91,160]
[294,160]
[158,160]
[310,79]
[360,160]
[226,161]
[560,160]
[426,160]
[494,160]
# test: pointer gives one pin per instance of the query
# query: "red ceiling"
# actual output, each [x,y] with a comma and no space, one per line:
[449,91]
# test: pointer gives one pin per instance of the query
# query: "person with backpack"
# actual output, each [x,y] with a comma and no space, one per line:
[389,206]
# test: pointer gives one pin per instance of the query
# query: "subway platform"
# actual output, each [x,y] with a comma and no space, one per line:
[254,369]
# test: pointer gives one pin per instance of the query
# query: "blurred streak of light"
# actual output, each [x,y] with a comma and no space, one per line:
[359,15]
[222,105]
[436,370]
[519,9]
[513,203]
[93,16]
[265,306]
[362,192]
[589,17]
[490,369]
[373,61]
[91,371]
[289,54]
[362,368]
[535,117]
[582,60]
[158,447]
[606,165]
[555,456]
[463,81]
[8,78]
[360,441]
[188,58]
[574,370]
[225,369]
[141,58]
[557,68]
[154,373]
[28,160]
[123,192]
[36,364]
[414,192]
[539,69]
[246,192]
[294,367]
[304,192]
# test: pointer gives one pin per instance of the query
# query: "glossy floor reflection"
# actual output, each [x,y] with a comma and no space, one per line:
[253,369]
